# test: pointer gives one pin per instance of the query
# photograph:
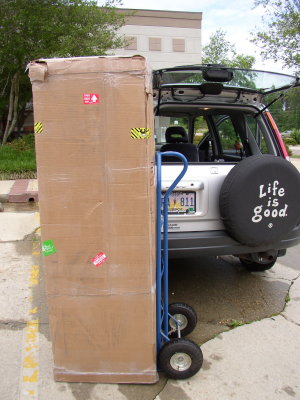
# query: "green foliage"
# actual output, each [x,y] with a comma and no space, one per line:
[235,323]
[228,138]
[36,29]
[23,143]
[289,151]
[18,156]
[286,111]
[280,40]
[289,141]
[61,28]
[221,51]
[200,129]
[200,124]
[295,135]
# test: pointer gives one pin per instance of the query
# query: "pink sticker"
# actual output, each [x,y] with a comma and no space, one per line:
[99,259]
[91,98]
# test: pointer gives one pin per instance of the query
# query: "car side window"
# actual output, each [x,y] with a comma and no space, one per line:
[227,135]
[200,129]
[256,131]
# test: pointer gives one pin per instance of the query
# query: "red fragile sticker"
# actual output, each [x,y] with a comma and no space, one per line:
[91,98]
[99,259]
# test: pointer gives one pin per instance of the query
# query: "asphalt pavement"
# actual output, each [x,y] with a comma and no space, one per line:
[248,323]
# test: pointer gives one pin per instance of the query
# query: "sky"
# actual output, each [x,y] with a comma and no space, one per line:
[236,17]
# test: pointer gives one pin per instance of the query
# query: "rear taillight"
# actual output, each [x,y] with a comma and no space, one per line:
[277,134]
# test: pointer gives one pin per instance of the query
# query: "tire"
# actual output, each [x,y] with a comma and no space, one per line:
[184,314]
[253,266]
[259,200]
[180,359]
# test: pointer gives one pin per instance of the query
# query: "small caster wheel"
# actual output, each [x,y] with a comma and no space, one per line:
[180,359]
[185,315]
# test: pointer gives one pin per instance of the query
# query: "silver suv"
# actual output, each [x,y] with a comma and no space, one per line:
[240,195]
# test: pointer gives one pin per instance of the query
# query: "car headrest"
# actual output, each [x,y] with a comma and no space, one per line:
[176,134]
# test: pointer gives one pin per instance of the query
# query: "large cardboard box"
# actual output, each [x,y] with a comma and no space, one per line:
[95,157]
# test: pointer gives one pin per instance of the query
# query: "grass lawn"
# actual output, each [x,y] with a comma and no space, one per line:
[17,159]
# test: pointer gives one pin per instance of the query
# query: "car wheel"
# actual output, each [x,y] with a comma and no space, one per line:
[253,266]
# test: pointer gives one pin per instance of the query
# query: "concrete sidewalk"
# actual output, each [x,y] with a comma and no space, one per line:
[296,162]
[256,361]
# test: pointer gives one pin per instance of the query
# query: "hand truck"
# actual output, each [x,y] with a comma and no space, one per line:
[179,358]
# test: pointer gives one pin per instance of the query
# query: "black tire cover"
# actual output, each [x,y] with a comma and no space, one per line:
[260,200]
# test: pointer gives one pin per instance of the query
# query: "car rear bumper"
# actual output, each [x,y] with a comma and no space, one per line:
[192,244]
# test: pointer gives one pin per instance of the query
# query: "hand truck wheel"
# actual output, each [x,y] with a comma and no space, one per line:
[180,358]
[185,316]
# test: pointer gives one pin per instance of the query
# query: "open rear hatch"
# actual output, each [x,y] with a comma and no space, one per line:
[202,82]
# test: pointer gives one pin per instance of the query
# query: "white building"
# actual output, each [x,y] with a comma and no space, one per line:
[165,38]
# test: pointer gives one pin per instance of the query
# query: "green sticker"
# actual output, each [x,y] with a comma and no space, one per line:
[48,248]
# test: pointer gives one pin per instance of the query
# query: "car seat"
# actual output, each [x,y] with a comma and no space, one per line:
[177,140]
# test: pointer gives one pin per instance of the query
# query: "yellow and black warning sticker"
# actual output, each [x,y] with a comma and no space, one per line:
[38,127]
[140,133]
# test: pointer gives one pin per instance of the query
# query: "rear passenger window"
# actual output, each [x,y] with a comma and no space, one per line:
[226,132]
[200,129]
[254,129]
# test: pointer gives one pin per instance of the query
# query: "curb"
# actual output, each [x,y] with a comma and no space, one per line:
[21,191]
[3,198]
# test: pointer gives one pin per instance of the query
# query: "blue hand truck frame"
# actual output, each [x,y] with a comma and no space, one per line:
[178,358]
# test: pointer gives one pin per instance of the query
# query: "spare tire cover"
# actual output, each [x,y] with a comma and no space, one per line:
[260,200]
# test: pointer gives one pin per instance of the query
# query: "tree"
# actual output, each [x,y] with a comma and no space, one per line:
[221,51]
[286,110]
[280,40]
[48,28]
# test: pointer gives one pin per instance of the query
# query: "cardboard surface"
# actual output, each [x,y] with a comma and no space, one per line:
[95,157]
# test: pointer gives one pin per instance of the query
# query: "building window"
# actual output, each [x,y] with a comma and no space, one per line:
[131,43]
[178,45]
[154,44]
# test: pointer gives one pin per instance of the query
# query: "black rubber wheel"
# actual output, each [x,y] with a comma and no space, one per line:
[259,200]
[253,266]
[184,314]
[180,359]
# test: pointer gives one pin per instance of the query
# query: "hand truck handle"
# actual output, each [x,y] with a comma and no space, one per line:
[162,272]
